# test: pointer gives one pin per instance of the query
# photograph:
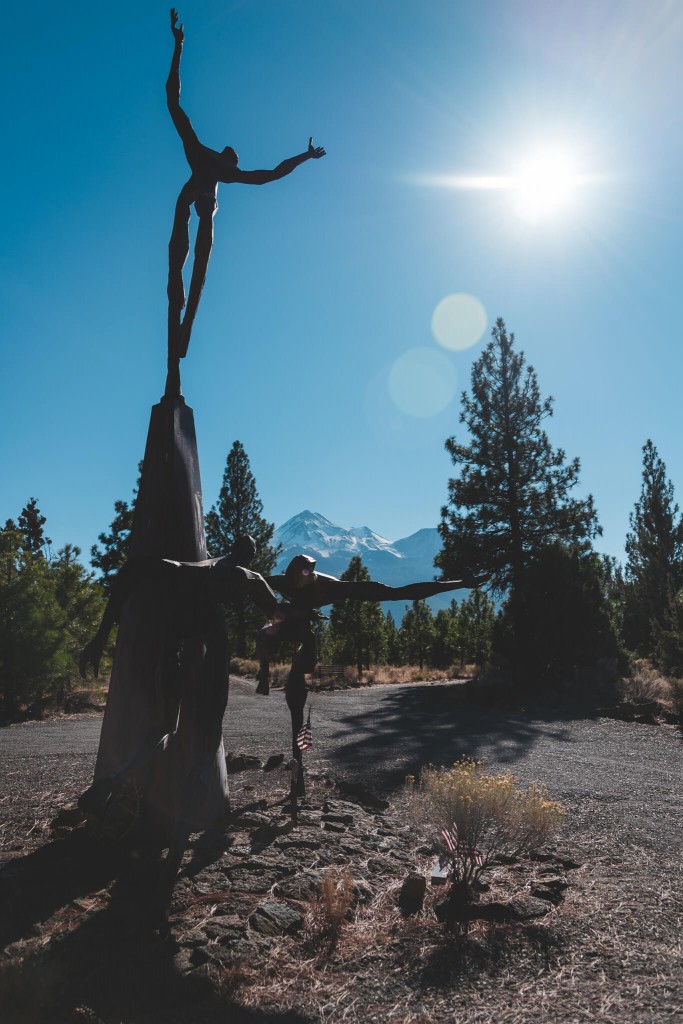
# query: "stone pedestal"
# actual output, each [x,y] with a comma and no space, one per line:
[169,523]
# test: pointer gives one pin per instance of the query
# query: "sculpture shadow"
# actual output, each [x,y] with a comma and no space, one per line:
[411,727]
[117,961]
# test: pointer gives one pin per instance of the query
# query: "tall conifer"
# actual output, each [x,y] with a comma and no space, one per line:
[238,512]
[654,550]
[512,492]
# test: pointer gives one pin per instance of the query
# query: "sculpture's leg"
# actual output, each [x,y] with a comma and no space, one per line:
[202,252]
[295,693]
[178,250]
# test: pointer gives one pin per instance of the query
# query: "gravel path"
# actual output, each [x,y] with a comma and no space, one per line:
[619,777]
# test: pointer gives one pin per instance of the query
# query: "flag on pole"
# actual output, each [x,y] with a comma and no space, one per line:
[456,848]
[304,738]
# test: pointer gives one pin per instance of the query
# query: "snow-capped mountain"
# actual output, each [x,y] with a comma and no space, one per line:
[404,561]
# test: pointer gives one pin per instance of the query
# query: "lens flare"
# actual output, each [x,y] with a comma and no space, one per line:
[458,321]
[422,382]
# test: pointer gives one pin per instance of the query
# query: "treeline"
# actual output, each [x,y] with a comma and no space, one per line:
[511,515]
[359,634]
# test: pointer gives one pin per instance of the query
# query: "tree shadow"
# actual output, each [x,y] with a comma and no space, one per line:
[493,953]
[410,727]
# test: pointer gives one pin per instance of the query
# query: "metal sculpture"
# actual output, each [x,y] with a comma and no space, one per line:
[208,167]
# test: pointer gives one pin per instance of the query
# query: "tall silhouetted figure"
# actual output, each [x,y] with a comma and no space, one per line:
[208,167]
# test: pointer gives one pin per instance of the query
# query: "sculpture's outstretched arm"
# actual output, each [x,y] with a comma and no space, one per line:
[132,573]
[368,590]
[281,171]
[178,115]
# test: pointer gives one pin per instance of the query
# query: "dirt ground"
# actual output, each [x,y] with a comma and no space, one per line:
[252,937]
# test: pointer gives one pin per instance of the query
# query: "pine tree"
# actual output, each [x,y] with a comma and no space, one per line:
[476,621]
[654,549]
[114,551]
[393,639]
[446,645]
[511,496]
[80,599]
[417,633]
[33,657]
[565,625]
[357,628]
[238,513]
[31,522]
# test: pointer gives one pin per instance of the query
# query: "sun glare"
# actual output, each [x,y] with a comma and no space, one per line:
[545,185]
[541,188]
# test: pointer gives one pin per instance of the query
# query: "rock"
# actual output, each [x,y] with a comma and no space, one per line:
[275,919]
[251,819]
[273,762]
[224,932]
[299,886]
[412,893]
[241,763]
[340,810]
[545,892]
[332,826]
[338,818]
[528,907]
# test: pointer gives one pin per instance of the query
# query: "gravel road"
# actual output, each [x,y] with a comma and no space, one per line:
[618,778]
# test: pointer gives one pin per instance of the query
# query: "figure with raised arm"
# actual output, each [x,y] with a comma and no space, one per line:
[208,167]
[306,591]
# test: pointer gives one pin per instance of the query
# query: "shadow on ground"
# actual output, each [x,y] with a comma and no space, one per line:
[410,727]
[107,959]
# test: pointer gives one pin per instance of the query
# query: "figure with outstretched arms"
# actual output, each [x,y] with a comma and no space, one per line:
[208,167]
[305,592]
[189,596]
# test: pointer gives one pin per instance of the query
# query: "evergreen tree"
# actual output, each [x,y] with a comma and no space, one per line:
[80,599]
[237,513]
[357,628]
[114,551]
[511,496]
[33,657]
[654,549]
[668,637]
[394,649]
[446,645]
[30,525]
[565,625]
[476,621]
[417,633]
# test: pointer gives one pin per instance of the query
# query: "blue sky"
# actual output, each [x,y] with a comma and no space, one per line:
[321,284]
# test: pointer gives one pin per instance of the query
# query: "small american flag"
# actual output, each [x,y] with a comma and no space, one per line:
[304,738]
[458,849]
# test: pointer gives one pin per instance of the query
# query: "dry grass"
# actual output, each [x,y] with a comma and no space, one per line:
[347,676]
[647,684]
[329,910]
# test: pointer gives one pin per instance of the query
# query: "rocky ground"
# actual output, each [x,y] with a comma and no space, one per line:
[283,922]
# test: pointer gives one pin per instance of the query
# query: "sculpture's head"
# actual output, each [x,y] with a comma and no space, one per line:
[230,157]
[243,551]
[300,571]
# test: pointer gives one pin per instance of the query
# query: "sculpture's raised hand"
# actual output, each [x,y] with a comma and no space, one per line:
[315,152]
[177,30]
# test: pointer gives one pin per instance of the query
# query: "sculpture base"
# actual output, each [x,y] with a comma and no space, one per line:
[169,523]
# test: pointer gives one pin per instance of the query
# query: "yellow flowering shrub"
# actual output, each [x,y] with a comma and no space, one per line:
[475,816]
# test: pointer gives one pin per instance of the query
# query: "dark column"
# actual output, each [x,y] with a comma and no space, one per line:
[169,523]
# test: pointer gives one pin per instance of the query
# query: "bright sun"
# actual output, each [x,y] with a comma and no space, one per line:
[545,185]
